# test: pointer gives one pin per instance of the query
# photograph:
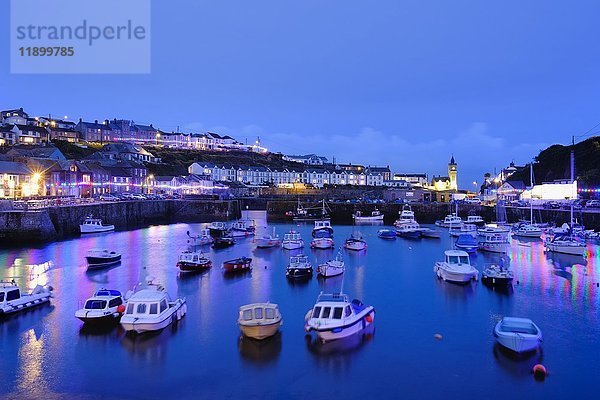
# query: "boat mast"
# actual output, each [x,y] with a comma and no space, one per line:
[531,197]
[572,177]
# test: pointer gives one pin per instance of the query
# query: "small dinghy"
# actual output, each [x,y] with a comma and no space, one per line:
[193,261]
[467,243]
[97,258]
[299,268]
[334,316]
[496,275]
[386,234]
[105,306]
[520,335]
[332,267]
[222,243]
[238,264]
[456,267]
[150,309]
[12,300]
[259,320]
[202,239]
[322,243]
[355,242]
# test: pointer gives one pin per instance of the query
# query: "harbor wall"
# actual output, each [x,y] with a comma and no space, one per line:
[55,223]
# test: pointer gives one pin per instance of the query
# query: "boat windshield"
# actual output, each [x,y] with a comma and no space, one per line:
[95,304]
[458,259]
[1,297]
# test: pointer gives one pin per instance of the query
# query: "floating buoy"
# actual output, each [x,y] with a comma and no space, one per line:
[121,309]
[368,318]
[438,336]
[539,372]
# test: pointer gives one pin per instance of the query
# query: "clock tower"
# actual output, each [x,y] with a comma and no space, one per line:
[452,172]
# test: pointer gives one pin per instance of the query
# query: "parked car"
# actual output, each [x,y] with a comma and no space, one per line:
[552,205]
[593,204]
[108,197]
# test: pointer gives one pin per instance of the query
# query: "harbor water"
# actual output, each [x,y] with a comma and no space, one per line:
[47,353]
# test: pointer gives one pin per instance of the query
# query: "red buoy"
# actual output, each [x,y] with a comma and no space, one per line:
[368,318]
[539,372]
[121,309]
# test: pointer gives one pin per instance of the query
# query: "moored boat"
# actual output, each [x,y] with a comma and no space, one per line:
[268,241]
[430,233]
[94,225]
[565,245]
[334,316]
[497,275]
[386,234]
[410,230]
[238,264]
[150,309]
[242,228]
[222,243]
[12,300]
[193,261]
[450,221]
[466,243]
[376,215]
[105,306]
[98,258]
[201,239]
[407,216]
[495,242]
[456,267]
[322,243]
[355,242]
[518,334]
[299,268]
[259,320]
[464,229]
[217,229]
[474,220]
[527,231]
[332,267]
[292,241]
[322,229]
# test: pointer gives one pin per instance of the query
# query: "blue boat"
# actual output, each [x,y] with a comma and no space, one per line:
[467,243]
[387,234]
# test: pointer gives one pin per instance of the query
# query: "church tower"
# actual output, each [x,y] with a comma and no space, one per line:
[452,171]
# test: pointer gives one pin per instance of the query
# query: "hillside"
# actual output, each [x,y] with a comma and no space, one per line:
[553,163]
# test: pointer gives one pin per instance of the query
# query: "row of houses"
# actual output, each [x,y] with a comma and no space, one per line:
[17,127]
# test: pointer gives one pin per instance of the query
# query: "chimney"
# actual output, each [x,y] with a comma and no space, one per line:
[105,122]
[151,126]
[80,120]
[95,121]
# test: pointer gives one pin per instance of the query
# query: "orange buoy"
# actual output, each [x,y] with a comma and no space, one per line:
[121,309]
[539,372]
[438,336]
[368,318]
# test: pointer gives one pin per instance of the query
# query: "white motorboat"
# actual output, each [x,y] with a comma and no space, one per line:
[332,267]
[242,228]
[565,245]
[491,228]
[12,300]
[334,316]
[464,229]
[411,230]
[527,231]
[456,267]
[495,242]
[217,229]
[151,309]
[268,241]
[202,239]
[475,220]
[193,261]
[518,334]
[430,233]
[259,320]
[355,242]
[450,221]
[98,258]
[322,243]
[292,240]
[299,268]
[105,306]
[376,215]
[407,216]
[94,225]
[322,229]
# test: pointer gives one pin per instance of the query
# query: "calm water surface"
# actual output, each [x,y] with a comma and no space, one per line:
[46,351]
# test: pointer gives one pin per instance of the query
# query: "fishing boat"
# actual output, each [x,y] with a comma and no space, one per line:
[430,233]
[193,261]
[464,229]
[334,316]
[497,275]
[105,306]
[322,229]
[492,228]
[474,220]
[520,335]
[259,320]
[217,229]
[201,239]
[268,241]
[149,308]
[238,264]
[375,216]
[242,228]
[355,242]
[466,243]
[322,243]
[222,243]
[299,268]
[304,214]
[411,230]
[450,221]
[495,242]
[98,258]
[292,241]
[528,230]
[456,267]
[407,216]
[12,300]
[565,245]
[94,225]
[386,234]
[332,267]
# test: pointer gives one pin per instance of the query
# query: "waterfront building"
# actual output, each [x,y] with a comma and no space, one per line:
[127,152]
[415,179]
[16,180]
[93,131]
[14,117]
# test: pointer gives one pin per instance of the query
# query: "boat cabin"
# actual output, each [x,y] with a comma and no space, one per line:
[452,219]
[292,236]
[299,260]
[9,291]
[258,313]
[90,221]
[457,257]
[334,306]
[495,237]
[191,257]
[104,299]
[147,303]
[322,224]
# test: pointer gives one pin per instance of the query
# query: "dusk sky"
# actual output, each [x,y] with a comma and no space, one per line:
[399,83]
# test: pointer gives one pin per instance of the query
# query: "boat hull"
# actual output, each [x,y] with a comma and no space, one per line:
[260,332]
[26,302]
[496,281]
[99,262]
[571,250]
[292,245]
[185,266]
[454,276]
[322,244]
[139,326]
[97,318]
[368,219]
[517,341]
[96,229]
[494,247]
[363,320]
[299,273]
[355,246]
[262,243]
[237,265]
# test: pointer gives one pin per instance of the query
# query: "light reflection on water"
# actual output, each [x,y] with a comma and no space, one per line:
[47,351]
